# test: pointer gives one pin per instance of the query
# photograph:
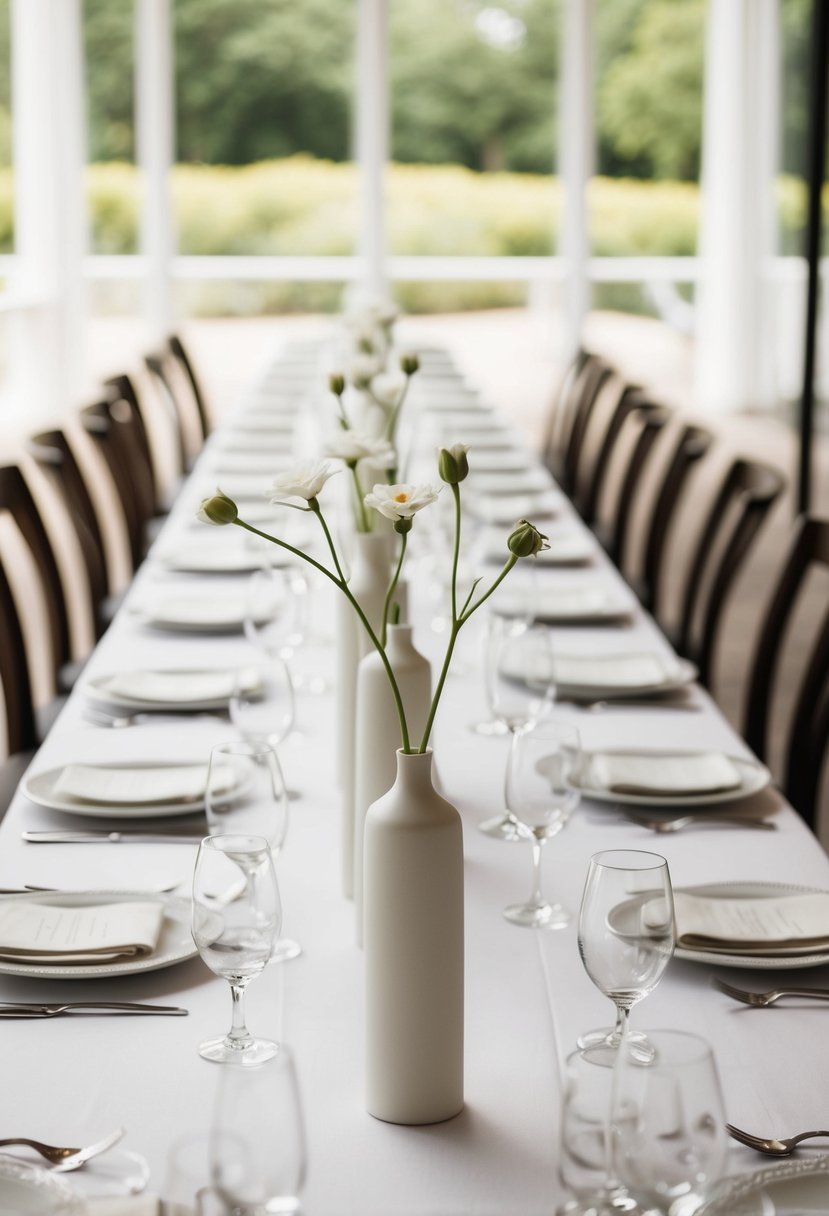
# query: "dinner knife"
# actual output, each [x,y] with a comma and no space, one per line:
[34,1009]
[93,836]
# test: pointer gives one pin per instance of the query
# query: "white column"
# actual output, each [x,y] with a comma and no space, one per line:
[154,127]
[576,154]
[49,372]
[735,323]
[372,142]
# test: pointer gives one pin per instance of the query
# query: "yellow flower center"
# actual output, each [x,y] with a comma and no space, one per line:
[401,498]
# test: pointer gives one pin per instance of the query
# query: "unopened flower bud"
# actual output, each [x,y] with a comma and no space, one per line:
[452,463]
[525,540]
[336,382]
[218,510]
[409,364]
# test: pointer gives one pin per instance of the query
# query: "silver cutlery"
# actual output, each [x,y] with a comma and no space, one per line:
[29,888]
[66,1159]
[33,1009]
[769,1144]
[119,721]
[600,706]
[104,837]
[761,999]
[655,824]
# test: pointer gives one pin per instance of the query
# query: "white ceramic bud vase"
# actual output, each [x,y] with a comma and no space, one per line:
[370,574]
[413,917]
[378,731]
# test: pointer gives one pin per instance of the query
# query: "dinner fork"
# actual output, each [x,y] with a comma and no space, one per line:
[768,1144]
[683,821]
[66,1159]
[761,999]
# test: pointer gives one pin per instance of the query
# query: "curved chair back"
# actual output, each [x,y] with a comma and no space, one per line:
[651,420]
[571,417]
[184,362]
[744,499]
[808,732]
[21,733]
[632,401]
[113,425]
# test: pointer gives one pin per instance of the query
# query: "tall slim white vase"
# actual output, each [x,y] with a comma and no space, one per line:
[368,583]
[378,732]
[414,947]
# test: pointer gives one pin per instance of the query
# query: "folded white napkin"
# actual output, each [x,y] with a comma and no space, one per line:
[99,933]
[788,924]
[507,509]
[668,774]
[138,786]
[178,687]
[206,612]
[509,482]
[613,670]
[557,604]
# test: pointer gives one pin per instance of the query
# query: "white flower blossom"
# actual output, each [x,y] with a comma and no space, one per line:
[401,501]
[302,481]
[351,446]
[387,388]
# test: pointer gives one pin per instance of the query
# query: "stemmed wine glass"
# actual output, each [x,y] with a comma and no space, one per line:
[667,1123]
[626,938]
[257,1141]
[541,798]
[246,795]
[518,673]
[236,921]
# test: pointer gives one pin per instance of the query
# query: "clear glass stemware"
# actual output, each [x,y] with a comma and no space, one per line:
[541,799]
[246,795]
[236,921]
[518,674]
[626,937]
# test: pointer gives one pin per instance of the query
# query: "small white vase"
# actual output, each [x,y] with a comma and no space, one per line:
[368,583]
[378,732]
[413,917]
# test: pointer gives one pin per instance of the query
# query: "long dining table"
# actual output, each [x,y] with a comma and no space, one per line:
[71,1079]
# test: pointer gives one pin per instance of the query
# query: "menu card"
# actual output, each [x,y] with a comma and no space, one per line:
[788,924]
[33,932]
[668,774]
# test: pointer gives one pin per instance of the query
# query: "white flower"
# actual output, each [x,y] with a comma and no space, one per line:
[351,446]
[401,501]
[362,368]
[302,481]
[387,388]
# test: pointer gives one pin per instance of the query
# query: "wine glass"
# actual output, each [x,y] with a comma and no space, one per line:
[585,1163]
[540,797]
[518,675]
[246,795]
[496,624]
[263,711]
[668,1123]
[236,921]
[626,937]
[257,1142]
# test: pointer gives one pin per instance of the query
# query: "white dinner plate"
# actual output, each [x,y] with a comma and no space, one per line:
[563,605]
[40,789]
[195,614]
[28,1190]
[789,1188]
[753,962]
[175,942]
[683,673]
[506,509]
[215,559]
[97,690]
[528,481]
[754,777]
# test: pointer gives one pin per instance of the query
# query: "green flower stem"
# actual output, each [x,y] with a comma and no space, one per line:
[391,425]
[508,565]
[456,552]
[364,525]
[392,585]
[344,423]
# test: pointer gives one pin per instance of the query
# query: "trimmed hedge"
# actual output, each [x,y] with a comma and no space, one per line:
[305,206]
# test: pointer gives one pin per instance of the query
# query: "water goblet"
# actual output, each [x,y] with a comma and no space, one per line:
[264,712]
[257,1141]
[518,673]
[626,938]
[541,798]
[236,921]
[667,1123]
[246,795]
[495,625]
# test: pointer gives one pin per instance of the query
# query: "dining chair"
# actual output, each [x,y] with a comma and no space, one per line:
[572,414]
[182,411]
[155,436]
[113,427]
[185,364]
[808,730]
[21,736]
[737,512]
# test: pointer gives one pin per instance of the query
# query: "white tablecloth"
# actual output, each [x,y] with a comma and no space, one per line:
[527,995]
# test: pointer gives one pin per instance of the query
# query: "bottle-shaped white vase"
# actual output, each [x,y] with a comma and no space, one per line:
[377,735]
[413,925]
[370,573]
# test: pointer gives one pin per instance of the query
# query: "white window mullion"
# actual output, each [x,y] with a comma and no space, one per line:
[372,141]
[576,155]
